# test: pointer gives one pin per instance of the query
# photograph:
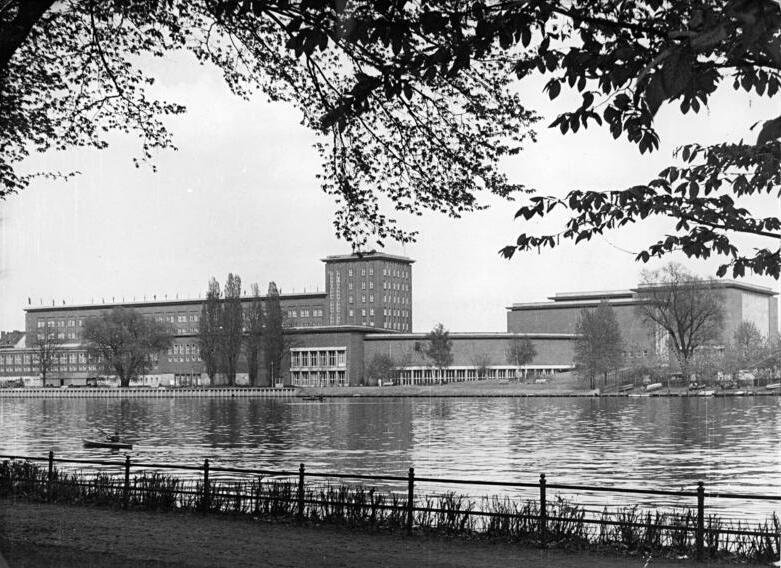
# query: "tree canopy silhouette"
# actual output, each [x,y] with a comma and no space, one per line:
[414,101]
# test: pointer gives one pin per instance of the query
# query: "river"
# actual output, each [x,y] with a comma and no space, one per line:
[732,444]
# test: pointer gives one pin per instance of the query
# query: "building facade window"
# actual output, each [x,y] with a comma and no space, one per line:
[325,366]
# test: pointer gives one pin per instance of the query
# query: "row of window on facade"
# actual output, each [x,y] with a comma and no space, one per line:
[60,335]
[387,312]
[58,323]
[393,272]
[184,352]
[74,361]
[398,286]
[385,299]
[318,358]
[318,378]
[305,313]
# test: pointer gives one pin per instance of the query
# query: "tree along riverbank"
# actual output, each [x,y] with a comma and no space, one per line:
[37,534]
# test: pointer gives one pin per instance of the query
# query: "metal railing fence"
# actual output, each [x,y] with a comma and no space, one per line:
[203,487]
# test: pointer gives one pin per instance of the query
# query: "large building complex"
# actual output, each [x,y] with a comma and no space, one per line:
[365,312]
[742,302]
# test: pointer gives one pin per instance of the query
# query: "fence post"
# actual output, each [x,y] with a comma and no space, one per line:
[50,477]
[301,470]
[700,536]
[543,510]
[205,502]
[126,491]
[410,499]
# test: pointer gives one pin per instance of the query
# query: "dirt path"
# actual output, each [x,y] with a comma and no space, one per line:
[39,535]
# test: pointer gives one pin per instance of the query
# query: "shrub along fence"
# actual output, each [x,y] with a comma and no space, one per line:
[356,500]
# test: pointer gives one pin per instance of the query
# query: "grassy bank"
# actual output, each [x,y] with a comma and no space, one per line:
[33,535]
[494,518]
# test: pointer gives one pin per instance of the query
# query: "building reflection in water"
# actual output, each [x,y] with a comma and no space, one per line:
[733,444]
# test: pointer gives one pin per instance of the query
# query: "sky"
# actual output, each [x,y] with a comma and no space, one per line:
[240,195]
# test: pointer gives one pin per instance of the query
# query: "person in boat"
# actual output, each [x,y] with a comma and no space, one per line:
[114,438]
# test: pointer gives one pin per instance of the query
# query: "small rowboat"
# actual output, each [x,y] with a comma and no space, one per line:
[107,444]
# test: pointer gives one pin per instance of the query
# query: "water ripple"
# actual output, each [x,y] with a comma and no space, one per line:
[732,444]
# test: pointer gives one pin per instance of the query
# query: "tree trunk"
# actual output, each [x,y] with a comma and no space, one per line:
[685,369]
[16,32]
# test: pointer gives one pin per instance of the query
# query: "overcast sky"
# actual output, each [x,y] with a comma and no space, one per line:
[240,195]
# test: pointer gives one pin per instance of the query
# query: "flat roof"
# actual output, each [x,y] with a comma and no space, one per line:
[764,290]
[573,304]
[160,303]
[569,296]
[371,255]
[337,329]
[474,335]
[562,300]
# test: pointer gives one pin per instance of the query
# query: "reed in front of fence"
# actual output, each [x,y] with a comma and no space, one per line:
[289,496]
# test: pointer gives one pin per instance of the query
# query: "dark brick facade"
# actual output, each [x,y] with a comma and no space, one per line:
[371,289]
[366,311]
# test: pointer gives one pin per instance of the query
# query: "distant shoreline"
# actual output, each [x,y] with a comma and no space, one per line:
[314,394]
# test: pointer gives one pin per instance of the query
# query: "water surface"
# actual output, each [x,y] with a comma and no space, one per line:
[732,444]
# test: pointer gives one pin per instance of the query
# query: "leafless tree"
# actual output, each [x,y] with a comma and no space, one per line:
[126,341]
[598,348]
[382,367]
[520,352]
[481,362]
[48,347]
[687,308]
